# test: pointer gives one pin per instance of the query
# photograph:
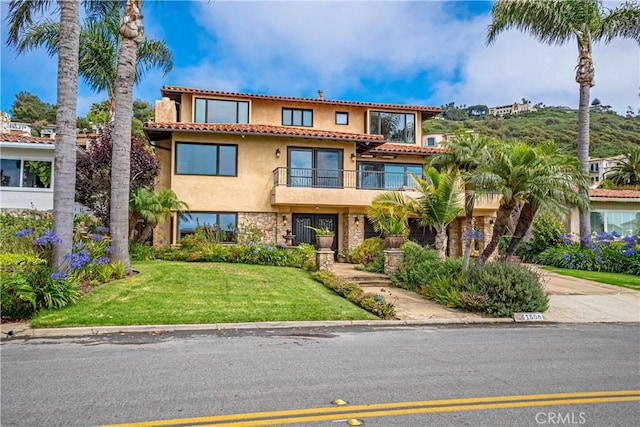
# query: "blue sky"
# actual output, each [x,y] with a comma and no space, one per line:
[423,52]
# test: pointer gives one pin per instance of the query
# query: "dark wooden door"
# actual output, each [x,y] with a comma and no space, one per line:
[306,235]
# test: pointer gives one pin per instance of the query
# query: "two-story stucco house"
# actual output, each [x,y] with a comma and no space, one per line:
[284,163]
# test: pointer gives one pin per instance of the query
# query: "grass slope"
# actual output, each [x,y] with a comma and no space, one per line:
[610,133]
[189,293]
[622,280]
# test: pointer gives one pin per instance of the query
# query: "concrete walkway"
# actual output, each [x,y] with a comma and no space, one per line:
[572,300]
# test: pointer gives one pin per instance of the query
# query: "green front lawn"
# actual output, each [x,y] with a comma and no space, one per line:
[622,280]
[176,292]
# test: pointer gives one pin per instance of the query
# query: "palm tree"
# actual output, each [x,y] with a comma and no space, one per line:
[64,172]
[556,177]
[100,42]
[628,171]
[510,171]
[153,208]
[132,33]
[558,22]
[466,152]
[438,204]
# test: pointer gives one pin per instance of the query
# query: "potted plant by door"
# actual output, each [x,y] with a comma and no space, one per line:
[395,232]
[389,215]
[324,237]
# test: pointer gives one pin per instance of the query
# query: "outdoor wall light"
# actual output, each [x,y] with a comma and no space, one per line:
[357,221]
[284,220]
[277,152]
[353,157]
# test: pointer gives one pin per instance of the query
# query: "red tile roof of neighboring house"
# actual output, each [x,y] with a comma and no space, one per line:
[614,194]
[157,129]
[175,90]
[8,137]
[392,148]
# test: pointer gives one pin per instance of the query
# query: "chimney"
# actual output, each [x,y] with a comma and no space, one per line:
[320,94]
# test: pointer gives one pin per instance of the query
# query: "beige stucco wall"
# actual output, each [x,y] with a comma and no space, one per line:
[269,112]
[572,224]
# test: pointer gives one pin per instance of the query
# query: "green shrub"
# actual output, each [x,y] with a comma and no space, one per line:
[307,255]
[443,290]
[27,284]
[366,251]
[141,252]
[547,232]
[510,288]
[420,267]
[377,264]
[371,302]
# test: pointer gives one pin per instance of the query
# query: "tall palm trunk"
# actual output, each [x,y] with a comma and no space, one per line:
[64,170]
[499,229]
[441,242]
[132,33]
[585,78]
[527,214]
[469,203]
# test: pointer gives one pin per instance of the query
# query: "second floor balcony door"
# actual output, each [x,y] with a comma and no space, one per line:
[315,168]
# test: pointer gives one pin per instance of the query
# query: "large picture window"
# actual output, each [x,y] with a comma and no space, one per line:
[20,173]
[387,176]
[217,226]
[315,167]
[206,159]
[297,117]
[395,127]
[624,223]
[221,111]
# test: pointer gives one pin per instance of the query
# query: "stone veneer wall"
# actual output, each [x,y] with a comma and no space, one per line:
[269,222]
[352,234]
[485,224]
[456,248]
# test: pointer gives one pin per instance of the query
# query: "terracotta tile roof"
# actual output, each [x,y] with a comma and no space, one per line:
[406,149]
[168,90]
[8,137]
[257,129]
[614,194]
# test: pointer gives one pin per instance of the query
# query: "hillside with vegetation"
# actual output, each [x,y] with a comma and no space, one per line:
[611,134]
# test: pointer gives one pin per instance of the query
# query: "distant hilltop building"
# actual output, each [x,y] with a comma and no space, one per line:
[600,167]
[514,108]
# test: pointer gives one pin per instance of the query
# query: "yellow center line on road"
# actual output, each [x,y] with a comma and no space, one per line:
[395,409]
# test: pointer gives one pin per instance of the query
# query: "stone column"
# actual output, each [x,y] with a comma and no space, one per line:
[352,233]
[456,248]
[391,259]
[325,259]
[485,224]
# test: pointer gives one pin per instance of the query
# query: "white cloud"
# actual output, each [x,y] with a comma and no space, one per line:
[295,48]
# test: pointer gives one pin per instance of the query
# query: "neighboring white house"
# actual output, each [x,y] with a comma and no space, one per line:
[599,167]
[514,108]
[436,139]
[26,178]
[18,128]
[611,210]
[48,131]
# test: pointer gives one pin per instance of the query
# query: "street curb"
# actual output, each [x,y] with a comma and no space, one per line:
[109,330]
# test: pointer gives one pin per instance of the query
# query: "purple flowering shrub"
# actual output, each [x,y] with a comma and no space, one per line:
[608,252]
[31,284]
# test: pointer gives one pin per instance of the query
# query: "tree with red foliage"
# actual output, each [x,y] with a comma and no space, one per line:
[93,170]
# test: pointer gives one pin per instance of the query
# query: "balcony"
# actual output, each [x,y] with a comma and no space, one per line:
[338,187]
[334,187]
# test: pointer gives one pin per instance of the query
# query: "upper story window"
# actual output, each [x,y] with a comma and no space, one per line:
[19,173]
[431,142]
[594,167]
[395,127]
[297,117]
[206,159]
[221,111]
[342,118]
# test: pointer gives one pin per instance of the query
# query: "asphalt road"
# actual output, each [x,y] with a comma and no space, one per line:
[444,371]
